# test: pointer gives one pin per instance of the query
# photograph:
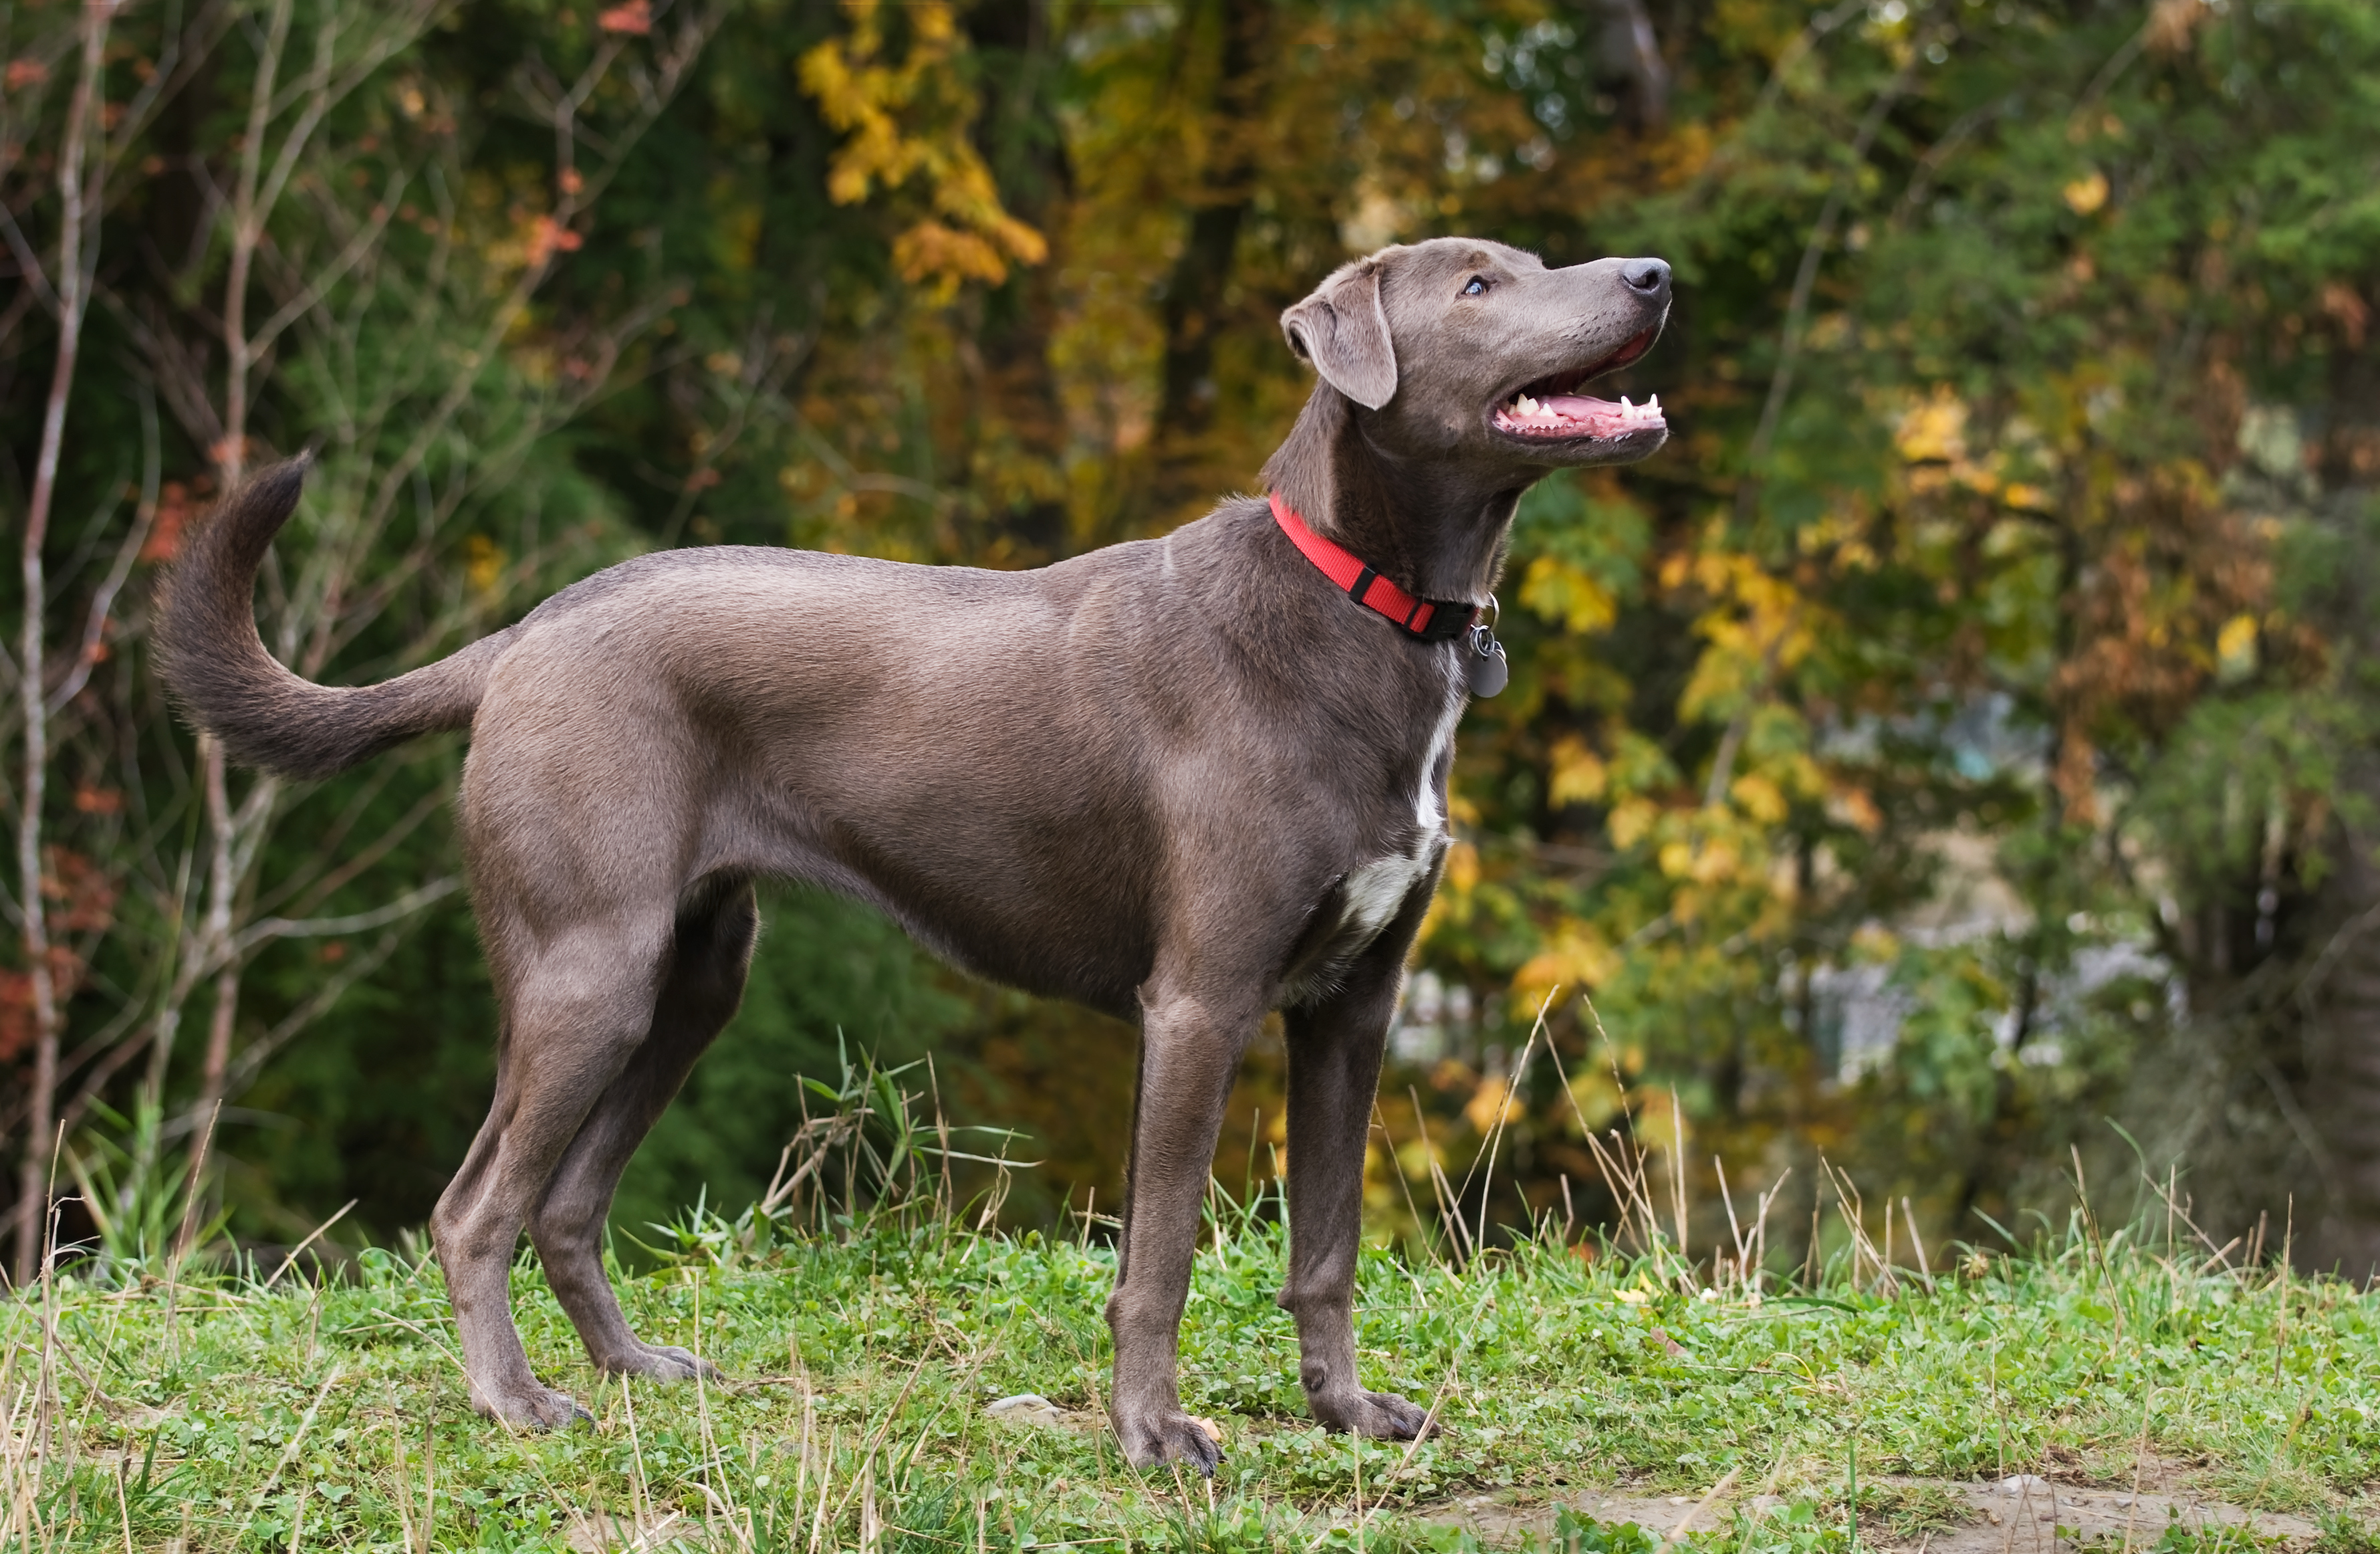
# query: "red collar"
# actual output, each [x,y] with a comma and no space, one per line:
[1424,620]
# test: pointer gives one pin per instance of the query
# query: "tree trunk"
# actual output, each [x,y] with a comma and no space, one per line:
[1630,54]
[1194,292]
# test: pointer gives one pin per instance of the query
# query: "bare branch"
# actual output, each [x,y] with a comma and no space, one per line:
[95,629]
[241,1075]
[364,243]
[229,454]
[404,906]
[80,189]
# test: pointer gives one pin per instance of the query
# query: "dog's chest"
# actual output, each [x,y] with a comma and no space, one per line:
[1365,900]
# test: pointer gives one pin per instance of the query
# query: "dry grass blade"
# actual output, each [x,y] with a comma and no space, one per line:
[1678,1173]
[1734,1228]
[1690,1517]
[1924,1263]
[1404,1184]
[1448,1211]
[1504,1111]
[291,1260]
[1751,1245]
[1854,1213]
[289,1452]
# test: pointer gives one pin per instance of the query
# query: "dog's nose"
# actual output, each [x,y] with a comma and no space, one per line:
[1646,277]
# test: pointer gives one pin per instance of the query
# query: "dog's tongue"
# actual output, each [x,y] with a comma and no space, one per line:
[1571,414]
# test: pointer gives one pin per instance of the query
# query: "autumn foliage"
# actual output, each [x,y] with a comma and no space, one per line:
[1958,736]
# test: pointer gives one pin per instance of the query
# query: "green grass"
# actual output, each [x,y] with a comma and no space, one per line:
[225,1415]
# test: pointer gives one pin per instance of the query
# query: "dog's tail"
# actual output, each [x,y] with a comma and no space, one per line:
[214,664]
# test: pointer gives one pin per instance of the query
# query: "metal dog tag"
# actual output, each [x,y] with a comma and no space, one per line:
[1484,663]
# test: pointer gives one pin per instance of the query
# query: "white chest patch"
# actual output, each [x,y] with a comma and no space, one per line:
[1374,892]
[1425,813]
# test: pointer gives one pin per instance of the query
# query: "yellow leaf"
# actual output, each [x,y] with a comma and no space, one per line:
[1714,862]
[1575,957]
[1493,1100]
[2085,195]
[1556,589]
[1935,431]
[2235,647]
[931,252]
[1596,1094]
[1630,819]
[1758,798]
[1876,943]
[1414,1158]
[1579,774]
[483,564]
[912,119]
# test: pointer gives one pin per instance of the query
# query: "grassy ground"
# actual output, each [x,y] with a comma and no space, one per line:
[215,1413]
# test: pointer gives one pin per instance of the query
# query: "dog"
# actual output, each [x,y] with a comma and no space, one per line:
[1184,780]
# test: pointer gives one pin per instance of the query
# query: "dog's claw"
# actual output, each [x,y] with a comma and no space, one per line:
[533,1408]
[1382,1415]
[657,1362]
[1406,1420]
[1172,1437]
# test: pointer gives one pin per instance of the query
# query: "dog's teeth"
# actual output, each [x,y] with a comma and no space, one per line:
[1525,405]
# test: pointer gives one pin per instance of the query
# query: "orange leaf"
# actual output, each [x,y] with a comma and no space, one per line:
[635,17]
[99,801]
[166,534]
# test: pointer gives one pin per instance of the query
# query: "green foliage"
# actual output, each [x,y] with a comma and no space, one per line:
[1999,613]
[826,977]
[869,1149]
[1574,1533]
[140,1197]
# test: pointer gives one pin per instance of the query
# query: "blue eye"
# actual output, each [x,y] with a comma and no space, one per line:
[1476,288]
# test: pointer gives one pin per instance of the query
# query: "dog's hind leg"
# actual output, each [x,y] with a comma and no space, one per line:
[712,953]
[577,1007]
[1334,1073]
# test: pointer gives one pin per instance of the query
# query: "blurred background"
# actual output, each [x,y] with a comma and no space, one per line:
[1952,760]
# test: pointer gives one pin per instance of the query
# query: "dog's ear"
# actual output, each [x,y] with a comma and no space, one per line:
[1344,331]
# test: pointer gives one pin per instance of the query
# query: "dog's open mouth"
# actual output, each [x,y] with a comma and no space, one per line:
[1552,407]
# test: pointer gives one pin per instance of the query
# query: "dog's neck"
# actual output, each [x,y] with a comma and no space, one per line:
[1436,531]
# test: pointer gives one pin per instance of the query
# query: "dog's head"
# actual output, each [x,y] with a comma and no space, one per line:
[1464,348]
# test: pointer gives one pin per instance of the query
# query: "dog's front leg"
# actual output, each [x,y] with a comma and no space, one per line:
[1190,1053]
[1334,1071]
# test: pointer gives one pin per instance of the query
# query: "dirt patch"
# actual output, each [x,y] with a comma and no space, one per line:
[2020,1516]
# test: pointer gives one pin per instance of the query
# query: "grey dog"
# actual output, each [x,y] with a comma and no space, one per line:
[1184,780]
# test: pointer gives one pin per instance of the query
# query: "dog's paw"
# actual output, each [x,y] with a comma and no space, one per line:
[656,1362]
[1383,1416]
[530,1406]
[1164,1436]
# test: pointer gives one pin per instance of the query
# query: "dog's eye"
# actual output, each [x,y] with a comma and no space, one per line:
[1476,288]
